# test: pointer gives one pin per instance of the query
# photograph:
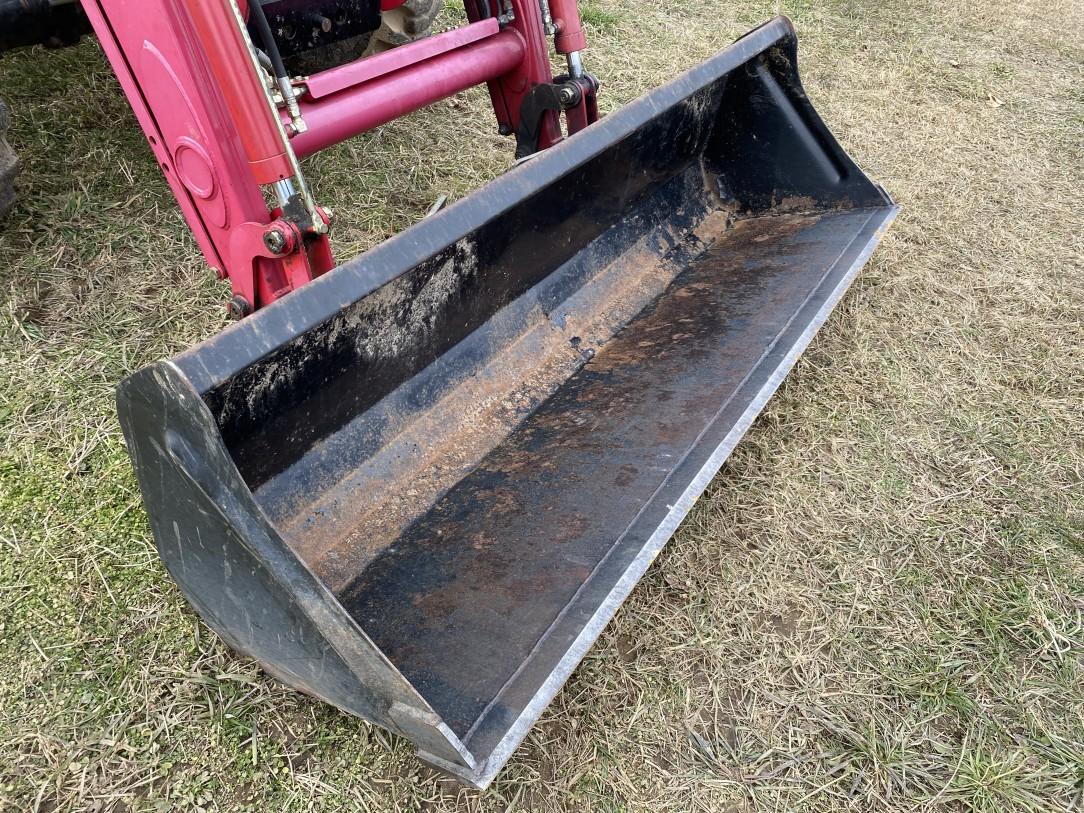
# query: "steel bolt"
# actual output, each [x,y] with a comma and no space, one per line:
[239,307]
[568,95]
[275,240]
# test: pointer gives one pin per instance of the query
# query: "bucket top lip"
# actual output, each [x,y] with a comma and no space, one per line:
[218,358]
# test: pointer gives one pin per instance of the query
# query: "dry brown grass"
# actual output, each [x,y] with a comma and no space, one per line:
[878,605]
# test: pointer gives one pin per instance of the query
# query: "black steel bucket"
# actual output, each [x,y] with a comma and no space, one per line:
[420,486]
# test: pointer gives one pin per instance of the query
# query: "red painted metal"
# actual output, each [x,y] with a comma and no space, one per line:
[240,88]
[507,92]
[159,46]
[355,73]
[385,98]
[164,70]
[388,5]
[566,18]
[185,68]
[585,112]
[302,260]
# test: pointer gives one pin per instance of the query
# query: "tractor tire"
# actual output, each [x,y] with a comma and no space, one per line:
[327,56]
[411,21]
[9,165]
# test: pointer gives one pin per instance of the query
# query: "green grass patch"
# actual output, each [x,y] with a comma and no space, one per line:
[876,606]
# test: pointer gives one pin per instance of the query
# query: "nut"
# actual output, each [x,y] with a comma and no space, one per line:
[239,307]
[275,240]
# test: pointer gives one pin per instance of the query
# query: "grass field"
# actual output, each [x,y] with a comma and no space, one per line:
[878,604]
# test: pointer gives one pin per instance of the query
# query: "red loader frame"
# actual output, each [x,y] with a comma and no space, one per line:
[228,136]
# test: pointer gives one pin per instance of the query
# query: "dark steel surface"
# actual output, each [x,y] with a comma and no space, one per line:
[377,473]
[462,598]
[317,381]
[441,467]
[242,578]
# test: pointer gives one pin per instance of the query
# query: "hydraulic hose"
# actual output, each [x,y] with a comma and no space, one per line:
[267,39]
[271,48]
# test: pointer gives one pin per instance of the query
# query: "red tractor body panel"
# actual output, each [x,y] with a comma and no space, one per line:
[222,137]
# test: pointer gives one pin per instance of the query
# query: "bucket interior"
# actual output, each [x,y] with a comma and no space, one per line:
[480,456]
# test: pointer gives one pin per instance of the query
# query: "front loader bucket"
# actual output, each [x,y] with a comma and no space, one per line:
[419,487]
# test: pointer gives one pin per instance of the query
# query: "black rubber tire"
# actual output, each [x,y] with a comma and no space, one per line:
[411,21]
[329,56]
[9,164]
